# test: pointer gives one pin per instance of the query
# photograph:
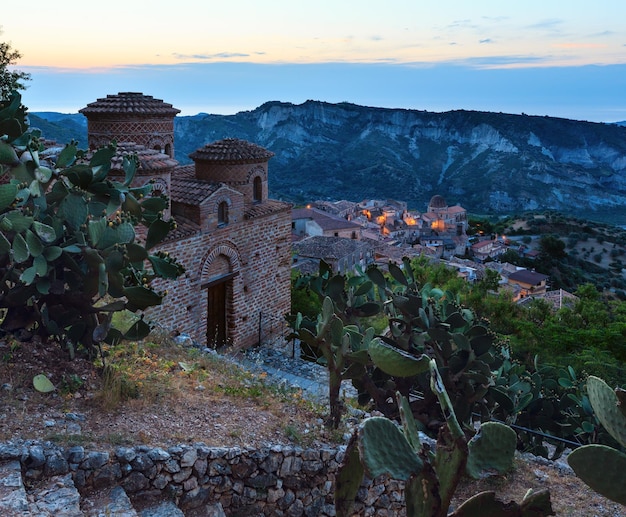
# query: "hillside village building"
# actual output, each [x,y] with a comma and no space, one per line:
[529,282]
[312,222]
[233,241]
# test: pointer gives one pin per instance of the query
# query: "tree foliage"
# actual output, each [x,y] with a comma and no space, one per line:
[10,80]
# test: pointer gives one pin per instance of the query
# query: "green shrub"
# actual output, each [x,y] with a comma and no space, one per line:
[69,252]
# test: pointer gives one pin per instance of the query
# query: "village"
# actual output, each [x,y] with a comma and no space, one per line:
[240,247]
[350,236]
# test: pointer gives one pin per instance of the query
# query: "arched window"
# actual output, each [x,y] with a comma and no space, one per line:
[222,214]
[257,190]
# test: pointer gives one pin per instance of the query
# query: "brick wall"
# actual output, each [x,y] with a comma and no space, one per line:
[259,252]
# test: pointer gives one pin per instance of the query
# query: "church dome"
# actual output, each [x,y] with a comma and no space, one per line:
[232,150]
[129,103]
[437,201]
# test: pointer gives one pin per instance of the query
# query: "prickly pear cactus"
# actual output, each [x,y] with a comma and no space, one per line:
[385,450]
[491,449]
[485,504]
[395,361]
[605,405]
[602,468]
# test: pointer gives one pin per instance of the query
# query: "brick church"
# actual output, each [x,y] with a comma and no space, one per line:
[234,242]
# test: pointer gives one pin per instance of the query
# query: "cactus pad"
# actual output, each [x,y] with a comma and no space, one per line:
[394,361]
[605,405]
[384,450]
[492,449]
[602,468]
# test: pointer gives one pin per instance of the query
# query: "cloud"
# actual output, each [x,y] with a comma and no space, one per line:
[485,40]
[462,24]
[601,34]
[549,24]
[208,57]
[501,61]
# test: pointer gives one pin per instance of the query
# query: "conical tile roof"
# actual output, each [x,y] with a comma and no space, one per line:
[232,150]
[129,102]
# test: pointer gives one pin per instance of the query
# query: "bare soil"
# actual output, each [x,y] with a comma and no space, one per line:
[219,409]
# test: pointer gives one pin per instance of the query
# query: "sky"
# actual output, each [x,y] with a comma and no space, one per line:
[562,58]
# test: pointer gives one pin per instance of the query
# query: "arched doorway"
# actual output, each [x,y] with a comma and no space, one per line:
[219,272]
[219,291]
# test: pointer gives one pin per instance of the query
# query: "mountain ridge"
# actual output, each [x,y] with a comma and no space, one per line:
[491,163]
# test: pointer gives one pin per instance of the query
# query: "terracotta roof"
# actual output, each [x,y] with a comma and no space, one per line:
[232,150]
[184,228]
[271,206]
[482,244]
[129,103]
[149,159]
[191,191]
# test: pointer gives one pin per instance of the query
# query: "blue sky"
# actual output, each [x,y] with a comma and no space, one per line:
[551,57]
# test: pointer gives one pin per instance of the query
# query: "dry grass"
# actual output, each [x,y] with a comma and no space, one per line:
[160,394]
[153,392]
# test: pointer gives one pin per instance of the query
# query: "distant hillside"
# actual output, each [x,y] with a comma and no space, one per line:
[491,163]
[61,127]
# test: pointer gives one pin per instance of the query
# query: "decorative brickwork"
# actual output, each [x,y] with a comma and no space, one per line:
[131,117]
[237,263]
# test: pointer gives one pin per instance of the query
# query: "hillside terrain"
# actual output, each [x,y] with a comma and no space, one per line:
[491,163]
[592,252]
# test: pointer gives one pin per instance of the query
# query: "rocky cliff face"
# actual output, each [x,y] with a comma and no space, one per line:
[488,162]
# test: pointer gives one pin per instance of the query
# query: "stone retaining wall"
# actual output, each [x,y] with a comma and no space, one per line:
[277,481]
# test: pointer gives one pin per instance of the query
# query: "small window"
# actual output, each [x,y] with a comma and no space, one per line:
[257,190]
[222,214]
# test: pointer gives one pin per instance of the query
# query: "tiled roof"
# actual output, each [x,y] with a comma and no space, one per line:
[271,206]
[481,244]
[129,102]
[149,159]
[232,150]
[191,191]
[325,221]
[184,228]
[528,277]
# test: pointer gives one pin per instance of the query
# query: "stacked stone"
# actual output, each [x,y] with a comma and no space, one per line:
[278,480]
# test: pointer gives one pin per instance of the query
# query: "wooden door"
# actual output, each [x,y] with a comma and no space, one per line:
[216,315]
